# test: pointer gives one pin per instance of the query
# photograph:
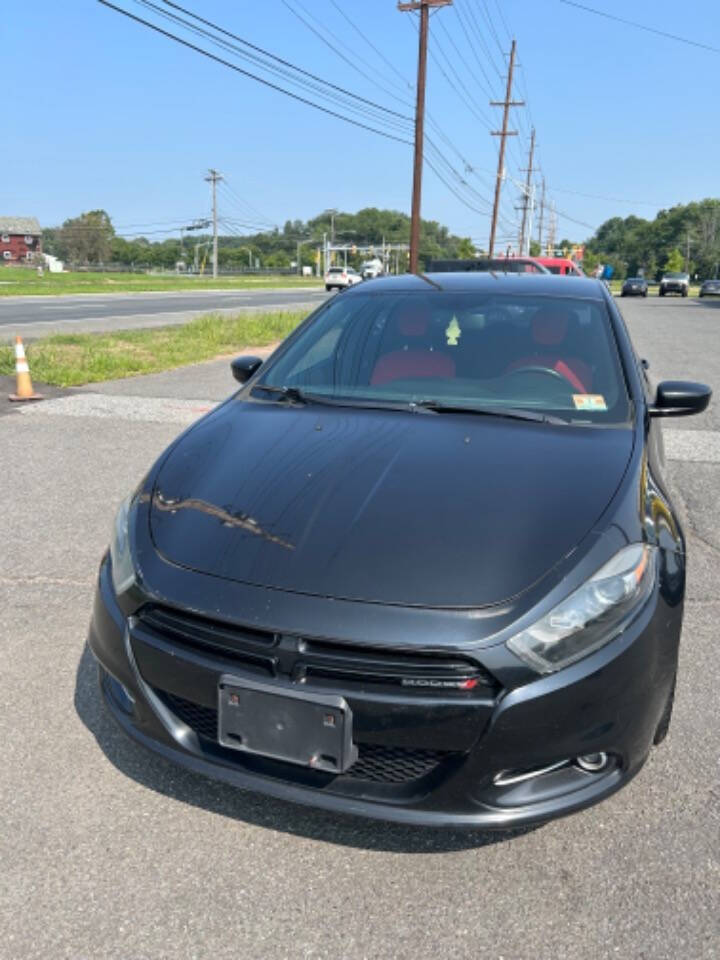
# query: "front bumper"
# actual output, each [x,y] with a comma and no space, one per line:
[426,758]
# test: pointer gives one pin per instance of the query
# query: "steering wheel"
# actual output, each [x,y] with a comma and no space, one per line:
[546,370]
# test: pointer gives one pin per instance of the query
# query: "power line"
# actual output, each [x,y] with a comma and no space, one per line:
[461,90]
[472,45]
[486,14]
[367,109]
[380,54]
[281,60]
[335,50]
[503,20]
[641,26]
[432,122]
[240,202]
[475,26]
[485,89]
[595,196]
[252,76]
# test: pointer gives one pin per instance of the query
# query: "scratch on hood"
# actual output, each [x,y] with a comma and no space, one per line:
[241,520]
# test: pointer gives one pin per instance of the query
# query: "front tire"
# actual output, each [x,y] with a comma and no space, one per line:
[684,293]
[661,292]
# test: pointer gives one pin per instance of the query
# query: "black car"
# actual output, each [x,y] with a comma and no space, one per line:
[710,288]
[634,287]
[423,566]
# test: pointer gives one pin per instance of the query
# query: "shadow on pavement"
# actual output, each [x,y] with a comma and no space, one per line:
[157,774]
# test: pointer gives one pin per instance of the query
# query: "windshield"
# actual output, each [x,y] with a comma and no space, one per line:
[676,276]
[549,355]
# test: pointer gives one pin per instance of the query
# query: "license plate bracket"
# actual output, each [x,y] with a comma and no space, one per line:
[309,729]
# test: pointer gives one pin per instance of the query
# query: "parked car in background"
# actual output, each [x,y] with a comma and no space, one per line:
[340,277]
[563,266]
[634,287]
[675,282]
[488,265]
[710,288]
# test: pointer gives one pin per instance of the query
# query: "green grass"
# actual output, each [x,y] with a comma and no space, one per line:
[16,282]
[69,360]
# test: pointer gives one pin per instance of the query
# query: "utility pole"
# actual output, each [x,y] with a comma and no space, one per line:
[424,7]
[212,178]
[687,254]
[542,215]
[526,198]
[503,134]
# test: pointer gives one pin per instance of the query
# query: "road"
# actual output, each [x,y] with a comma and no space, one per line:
[108,852]
[39,316]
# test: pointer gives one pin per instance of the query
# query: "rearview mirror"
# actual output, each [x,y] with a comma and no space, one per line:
[244,367]
[680,398]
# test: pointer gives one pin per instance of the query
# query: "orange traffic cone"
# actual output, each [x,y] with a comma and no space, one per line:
[22,373]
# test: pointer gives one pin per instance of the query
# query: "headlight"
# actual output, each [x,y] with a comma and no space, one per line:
[592,615]
[123,569]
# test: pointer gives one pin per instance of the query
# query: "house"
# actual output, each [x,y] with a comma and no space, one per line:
[20,239]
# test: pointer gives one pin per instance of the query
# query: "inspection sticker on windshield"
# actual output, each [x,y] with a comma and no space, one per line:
[589,401]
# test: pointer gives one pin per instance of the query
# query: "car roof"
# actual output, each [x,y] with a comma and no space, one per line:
[539,284]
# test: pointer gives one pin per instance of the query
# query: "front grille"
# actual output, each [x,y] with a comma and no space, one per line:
[203,720]
[253,648]
[349,665]
[375,763]
[393,764]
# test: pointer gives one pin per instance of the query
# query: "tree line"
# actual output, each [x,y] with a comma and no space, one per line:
[685,237]
[91,239]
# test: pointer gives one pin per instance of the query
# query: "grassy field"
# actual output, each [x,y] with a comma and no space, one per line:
[15,282]
[69,360]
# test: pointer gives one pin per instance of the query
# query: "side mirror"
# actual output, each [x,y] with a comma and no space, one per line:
[244,367]
[680,398]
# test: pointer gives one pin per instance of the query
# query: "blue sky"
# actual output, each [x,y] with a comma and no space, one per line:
[100,112]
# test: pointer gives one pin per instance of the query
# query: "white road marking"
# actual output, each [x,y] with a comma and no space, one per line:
[102,406]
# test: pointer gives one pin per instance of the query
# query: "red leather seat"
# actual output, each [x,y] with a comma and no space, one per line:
[549,333]
[416,358]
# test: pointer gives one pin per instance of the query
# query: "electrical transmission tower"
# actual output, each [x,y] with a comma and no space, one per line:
[213,178]
[503,134]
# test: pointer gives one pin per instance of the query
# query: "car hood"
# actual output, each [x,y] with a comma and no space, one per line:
[434,510]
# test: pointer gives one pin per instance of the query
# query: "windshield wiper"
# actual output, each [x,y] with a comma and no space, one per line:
[507,413]
[295,395]
[291,394]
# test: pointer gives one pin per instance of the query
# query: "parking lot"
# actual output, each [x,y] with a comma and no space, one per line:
[109,852]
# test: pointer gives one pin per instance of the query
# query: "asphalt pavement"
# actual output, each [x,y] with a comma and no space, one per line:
[106,851]
[39,316]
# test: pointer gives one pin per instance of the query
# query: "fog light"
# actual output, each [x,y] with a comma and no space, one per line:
[592,762]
